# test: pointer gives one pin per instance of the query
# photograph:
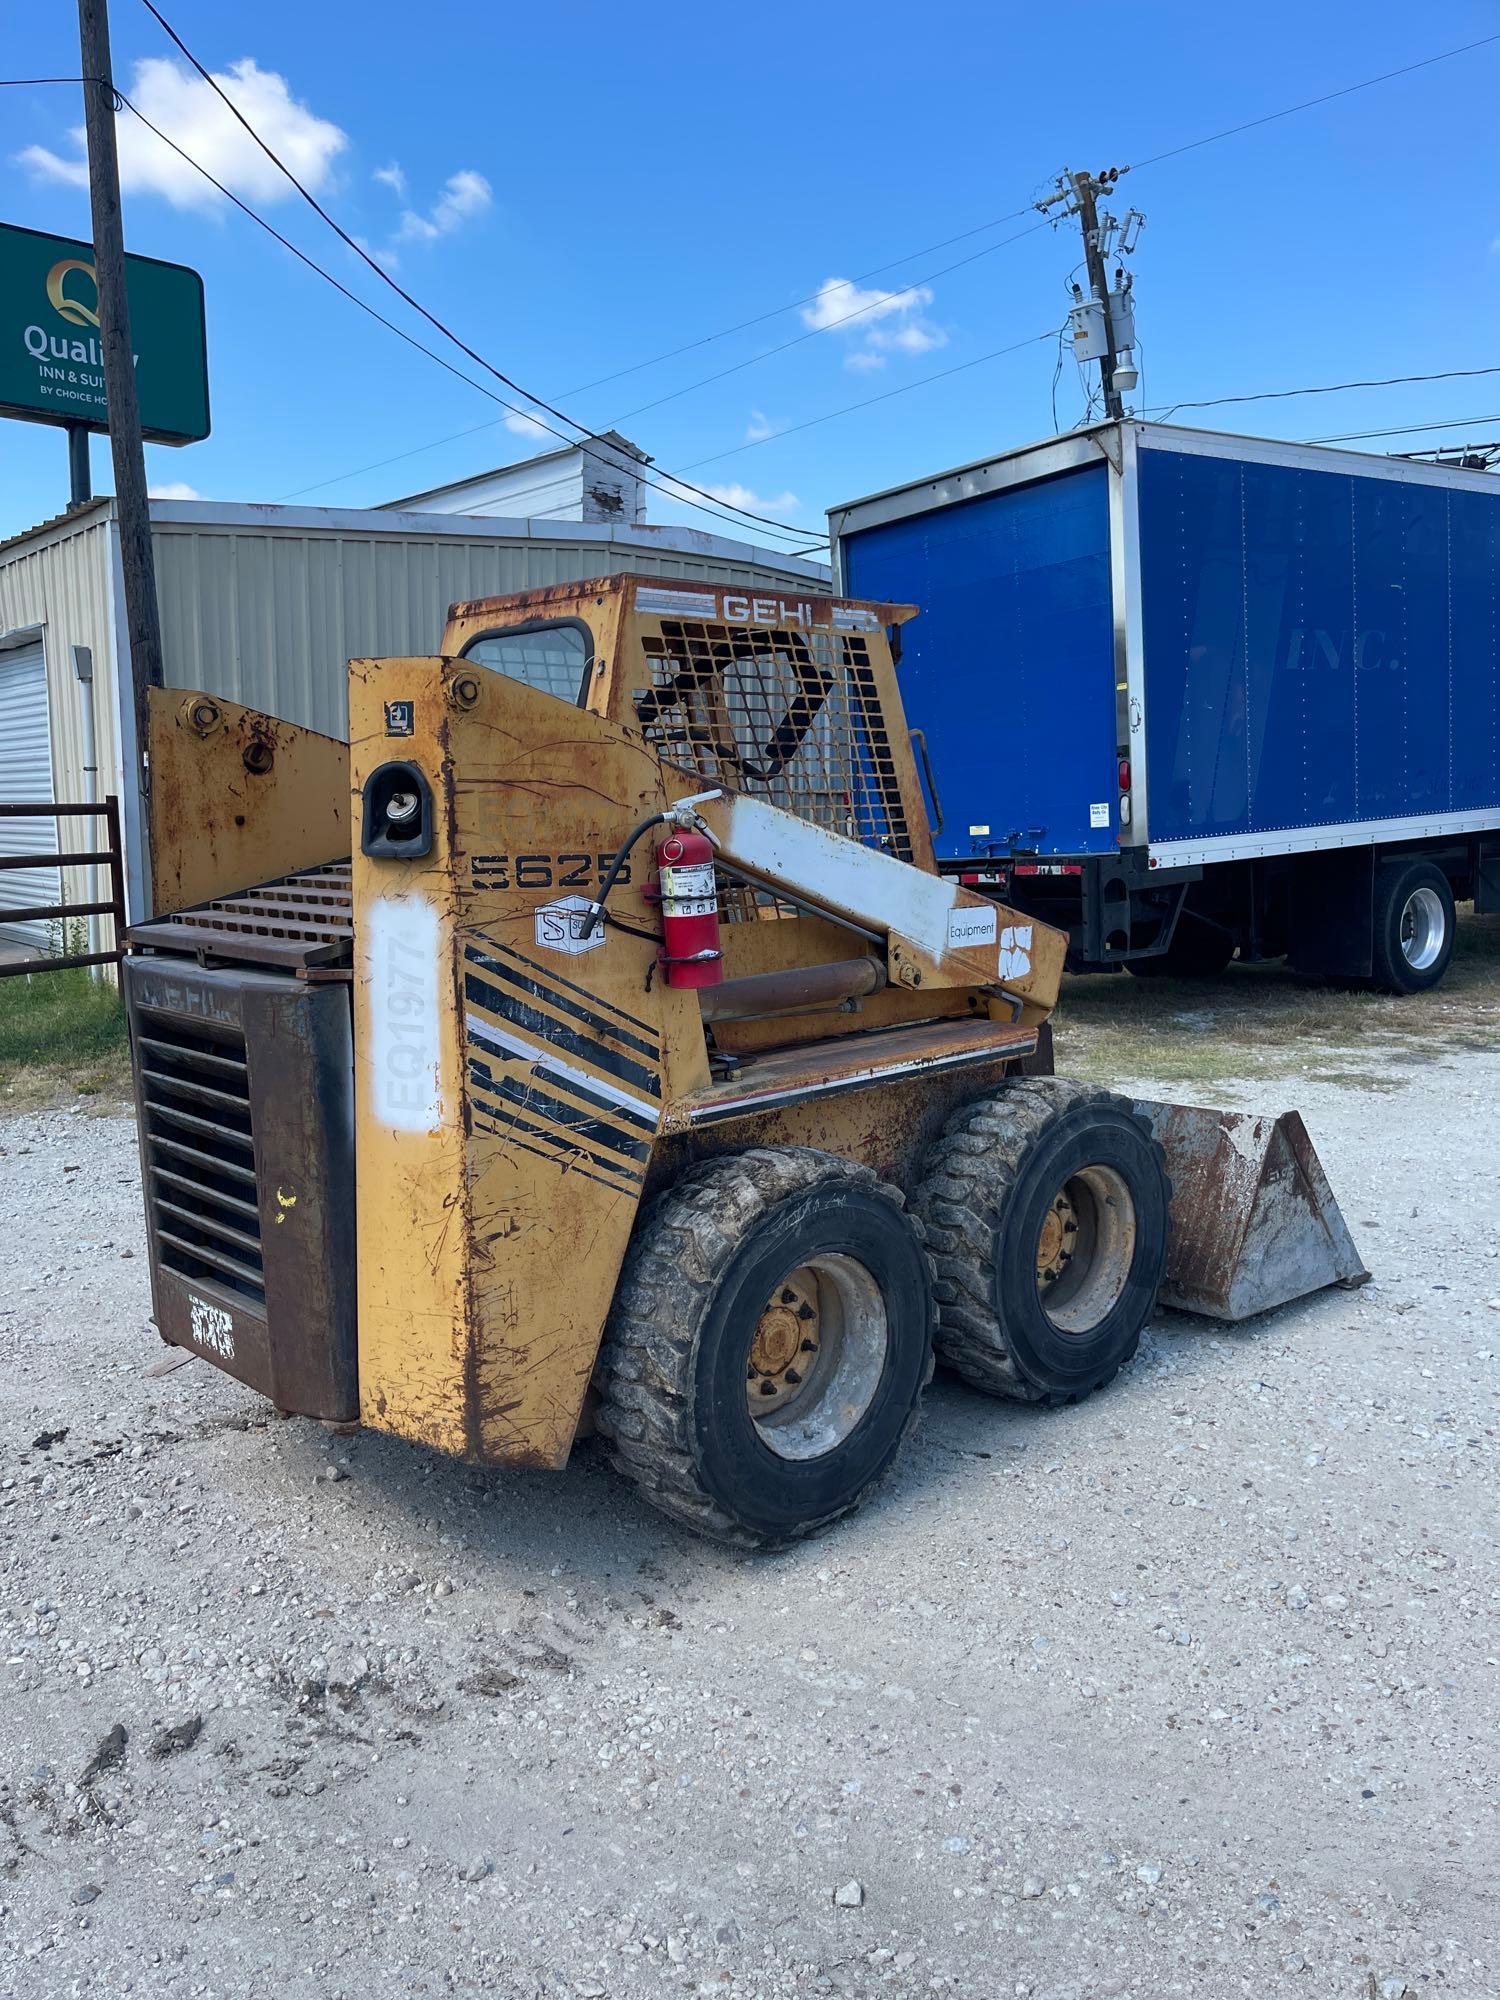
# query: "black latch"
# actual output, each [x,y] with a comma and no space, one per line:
[397,813]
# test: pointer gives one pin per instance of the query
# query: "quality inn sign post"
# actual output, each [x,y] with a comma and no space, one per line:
[51,360]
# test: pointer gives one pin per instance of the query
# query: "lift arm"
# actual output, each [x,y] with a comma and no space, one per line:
[935,932]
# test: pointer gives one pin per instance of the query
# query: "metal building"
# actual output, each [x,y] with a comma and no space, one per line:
[601,480]
[266,605]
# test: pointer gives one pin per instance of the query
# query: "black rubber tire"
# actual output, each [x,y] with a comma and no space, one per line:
[987,1185]
[1395,882]
[672,1370]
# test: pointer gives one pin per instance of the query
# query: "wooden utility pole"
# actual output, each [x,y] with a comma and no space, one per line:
[1085,191]
[141,618]
[1097,321]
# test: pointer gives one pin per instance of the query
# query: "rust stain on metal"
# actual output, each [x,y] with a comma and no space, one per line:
[237,797]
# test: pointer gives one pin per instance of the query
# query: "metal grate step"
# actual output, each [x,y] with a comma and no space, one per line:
[302,920]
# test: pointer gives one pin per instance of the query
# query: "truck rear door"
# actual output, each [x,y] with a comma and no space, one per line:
[1009,670]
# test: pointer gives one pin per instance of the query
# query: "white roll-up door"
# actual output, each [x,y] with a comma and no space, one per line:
[26,779]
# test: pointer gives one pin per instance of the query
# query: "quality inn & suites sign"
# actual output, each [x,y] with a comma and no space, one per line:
[51,360]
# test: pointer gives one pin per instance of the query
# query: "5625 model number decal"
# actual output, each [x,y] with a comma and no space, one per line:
[541,871]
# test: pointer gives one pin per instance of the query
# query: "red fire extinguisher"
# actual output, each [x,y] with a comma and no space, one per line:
[690,954]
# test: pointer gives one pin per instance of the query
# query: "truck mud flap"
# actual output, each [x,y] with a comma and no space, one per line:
[1254,1221]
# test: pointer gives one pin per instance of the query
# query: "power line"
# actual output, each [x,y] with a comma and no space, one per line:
[1309,104]
[1155,159]
[587,436]
[1409,430]
[813,332]
[728,510]
[796,341]
[1324,389]
[793,305]
[379,464]
[788,528]
[902,389]
[927,278]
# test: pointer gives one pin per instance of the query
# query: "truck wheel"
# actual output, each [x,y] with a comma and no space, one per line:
[768,1345]
[1046,1207]
[1414,924]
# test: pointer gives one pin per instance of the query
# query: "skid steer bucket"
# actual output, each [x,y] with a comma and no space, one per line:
[1254,1221]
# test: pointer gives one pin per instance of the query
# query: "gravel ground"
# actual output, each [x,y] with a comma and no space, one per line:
[1189,1690]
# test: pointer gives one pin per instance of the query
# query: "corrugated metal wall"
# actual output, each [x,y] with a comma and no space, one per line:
[267,607]
[270,616]
[60,582]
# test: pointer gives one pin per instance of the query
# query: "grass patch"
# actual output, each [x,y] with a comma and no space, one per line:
[62,1033]
[1263,1021]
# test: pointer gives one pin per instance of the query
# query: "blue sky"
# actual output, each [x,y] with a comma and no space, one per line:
[578,189]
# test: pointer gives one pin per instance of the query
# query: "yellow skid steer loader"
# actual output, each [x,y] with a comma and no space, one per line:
[592,1043]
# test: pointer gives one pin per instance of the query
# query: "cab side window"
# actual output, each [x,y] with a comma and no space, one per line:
[554,658]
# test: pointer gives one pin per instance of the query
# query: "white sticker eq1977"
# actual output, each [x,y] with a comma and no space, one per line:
[970,926]
[405,1086]
[1015,951]
[211,1327]
[1099,815]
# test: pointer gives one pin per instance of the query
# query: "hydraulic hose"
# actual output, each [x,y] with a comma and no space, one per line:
[612,875]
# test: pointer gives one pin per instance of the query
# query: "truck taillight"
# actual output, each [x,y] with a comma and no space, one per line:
[1124,774]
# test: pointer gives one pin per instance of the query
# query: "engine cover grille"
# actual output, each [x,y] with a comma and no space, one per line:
[245,1081]
[200,1153]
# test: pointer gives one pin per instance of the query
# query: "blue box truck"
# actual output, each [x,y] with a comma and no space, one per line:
[1189,695]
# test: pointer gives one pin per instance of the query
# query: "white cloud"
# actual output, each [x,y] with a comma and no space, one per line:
[393,178]
[876,323]
[183,105]
[175,489]
[735,495]
[914,336]
[465,195]
[840,300]
[524,426]
[759,427]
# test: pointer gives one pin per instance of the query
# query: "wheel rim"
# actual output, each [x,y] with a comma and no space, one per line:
[1424,927]
[817,1356]
[1085,1248]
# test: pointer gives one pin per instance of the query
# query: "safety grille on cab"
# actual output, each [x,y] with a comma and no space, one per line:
[790,716]
[200,1157]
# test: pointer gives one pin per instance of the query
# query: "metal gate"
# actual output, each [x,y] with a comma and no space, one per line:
[26,778]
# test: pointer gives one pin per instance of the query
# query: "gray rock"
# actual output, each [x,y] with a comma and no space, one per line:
[850,1896]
